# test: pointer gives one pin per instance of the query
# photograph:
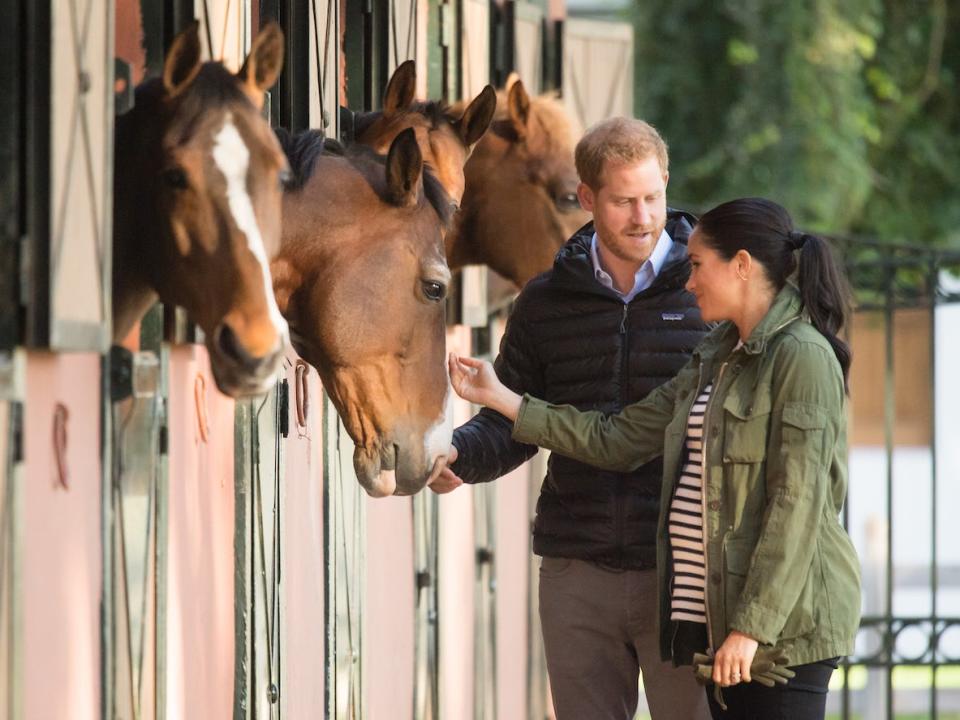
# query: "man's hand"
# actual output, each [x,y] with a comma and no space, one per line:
[447,480]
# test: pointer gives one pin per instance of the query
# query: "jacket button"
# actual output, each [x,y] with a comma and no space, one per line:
[714,431]
[716,578]
[714,505]
[749,409]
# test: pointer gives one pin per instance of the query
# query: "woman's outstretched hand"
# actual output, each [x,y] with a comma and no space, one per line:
[475,381]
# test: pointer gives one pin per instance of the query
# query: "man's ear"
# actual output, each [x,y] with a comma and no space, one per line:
[666,178]
[585,196]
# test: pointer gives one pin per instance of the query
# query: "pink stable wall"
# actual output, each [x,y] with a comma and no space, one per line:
[62,562]
[389,609]
[200,555]
[458,581]
[302,611]
[388,615]
[457,576]
[513,581]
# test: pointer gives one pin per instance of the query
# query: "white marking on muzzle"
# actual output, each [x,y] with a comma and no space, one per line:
[437,439]
[231,155]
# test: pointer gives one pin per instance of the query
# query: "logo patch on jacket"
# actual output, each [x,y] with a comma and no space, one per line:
[673,316]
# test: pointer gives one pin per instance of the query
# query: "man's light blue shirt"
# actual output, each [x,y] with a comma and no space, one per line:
[645,275]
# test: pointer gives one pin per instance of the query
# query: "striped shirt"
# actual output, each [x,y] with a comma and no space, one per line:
[686,524]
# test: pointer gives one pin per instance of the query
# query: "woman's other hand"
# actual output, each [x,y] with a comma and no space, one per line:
[474,380]
[731,663]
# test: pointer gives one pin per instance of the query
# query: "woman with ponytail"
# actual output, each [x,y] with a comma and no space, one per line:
[755,569]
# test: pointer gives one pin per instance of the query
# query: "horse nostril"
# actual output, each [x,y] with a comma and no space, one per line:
[230,345]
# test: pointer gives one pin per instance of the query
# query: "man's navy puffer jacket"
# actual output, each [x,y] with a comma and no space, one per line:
[571,340]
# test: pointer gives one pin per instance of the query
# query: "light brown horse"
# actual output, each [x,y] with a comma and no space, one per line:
[520,201]
[445,137]
[361,279]
[197,188]
[518,189]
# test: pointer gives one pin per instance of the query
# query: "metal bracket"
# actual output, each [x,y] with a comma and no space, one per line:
[16,432]
[283,411]
[133,373]
[121,373]
[423,579]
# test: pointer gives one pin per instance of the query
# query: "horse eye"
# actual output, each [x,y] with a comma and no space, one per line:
[175,178]
[568,201]
[433,290]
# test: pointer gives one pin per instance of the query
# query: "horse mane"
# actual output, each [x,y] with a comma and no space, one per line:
[304,148]
[436,111]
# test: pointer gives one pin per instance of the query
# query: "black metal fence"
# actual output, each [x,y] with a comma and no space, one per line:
[901,506]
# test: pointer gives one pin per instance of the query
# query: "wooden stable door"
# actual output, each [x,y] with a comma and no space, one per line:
[597,70]
[70,253]
[528,45]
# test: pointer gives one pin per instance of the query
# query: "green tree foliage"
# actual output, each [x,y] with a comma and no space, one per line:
[846,111]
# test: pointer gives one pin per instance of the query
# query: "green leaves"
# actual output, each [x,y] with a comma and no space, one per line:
[846,111]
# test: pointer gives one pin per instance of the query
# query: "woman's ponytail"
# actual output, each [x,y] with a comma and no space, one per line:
[825,294]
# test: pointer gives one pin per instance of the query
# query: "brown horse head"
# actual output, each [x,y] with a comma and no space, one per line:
[361,278]
[197,207]
[445,138]
[520,203]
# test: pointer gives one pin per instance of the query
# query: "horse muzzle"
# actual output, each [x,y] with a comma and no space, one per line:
[237,372]
[390,470]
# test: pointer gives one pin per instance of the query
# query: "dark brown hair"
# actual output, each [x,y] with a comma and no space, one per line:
[765,230]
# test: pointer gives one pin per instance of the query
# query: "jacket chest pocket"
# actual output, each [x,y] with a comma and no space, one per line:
[746,426]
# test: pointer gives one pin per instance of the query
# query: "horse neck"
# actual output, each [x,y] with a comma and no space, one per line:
[131,293]
[464,241]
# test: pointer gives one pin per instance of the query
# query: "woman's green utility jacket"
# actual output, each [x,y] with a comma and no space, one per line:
[779,565]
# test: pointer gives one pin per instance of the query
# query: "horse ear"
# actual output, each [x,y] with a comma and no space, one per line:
[512,79]
[476,118]
[183,61]
[263,65]
[401,88]
[404,169]
[518,105]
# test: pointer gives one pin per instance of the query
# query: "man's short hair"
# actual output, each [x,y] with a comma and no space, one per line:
[617,140]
